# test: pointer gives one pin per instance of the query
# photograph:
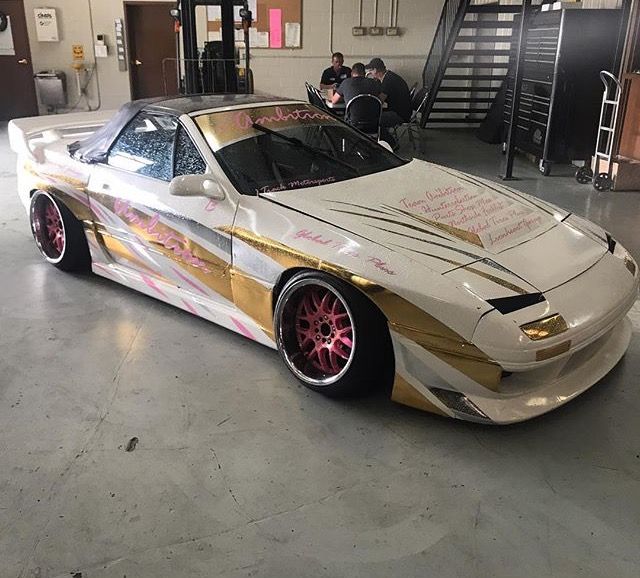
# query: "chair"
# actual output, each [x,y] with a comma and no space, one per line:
[315,97]
[364,112]
[412,127]
[309,92]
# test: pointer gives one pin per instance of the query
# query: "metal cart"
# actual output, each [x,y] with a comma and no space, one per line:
[602,181]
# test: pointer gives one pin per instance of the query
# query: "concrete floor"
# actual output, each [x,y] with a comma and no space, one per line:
[241,472]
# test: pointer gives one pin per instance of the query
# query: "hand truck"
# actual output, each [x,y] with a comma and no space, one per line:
[602,181]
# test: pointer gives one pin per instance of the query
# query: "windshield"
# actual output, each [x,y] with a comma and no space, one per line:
[278,148]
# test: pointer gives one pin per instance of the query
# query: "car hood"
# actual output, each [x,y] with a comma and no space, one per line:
[452,222]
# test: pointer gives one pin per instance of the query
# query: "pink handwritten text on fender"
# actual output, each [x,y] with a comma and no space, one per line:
[167,239]
[341,247]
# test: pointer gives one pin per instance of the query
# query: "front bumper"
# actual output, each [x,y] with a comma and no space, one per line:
[522,395]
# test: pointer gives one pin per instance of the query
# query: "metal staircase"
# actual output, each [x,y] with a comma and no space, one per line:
[468,60]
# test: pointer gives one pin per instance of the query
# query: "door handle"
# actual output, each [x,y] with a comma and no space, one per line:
[137,62]
[23,61]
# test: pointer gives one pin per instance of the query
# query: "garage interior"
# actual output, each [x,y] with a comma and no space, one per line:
[137,440]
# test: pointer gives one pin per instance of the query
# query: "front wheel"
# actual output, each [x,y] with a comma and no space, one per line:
[57,233]
[331,337]
[544,167]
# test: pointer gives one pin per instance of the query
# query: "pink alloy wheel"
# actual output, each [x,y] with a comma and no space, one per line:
[54,232]
[324,331]
[47,226]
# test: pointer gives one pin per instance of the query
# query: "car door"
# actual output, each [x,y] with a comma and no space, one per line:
[173,244]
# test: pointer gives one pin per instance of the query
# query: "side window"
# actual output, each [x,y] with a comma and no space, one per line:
[187,159]
[145,146]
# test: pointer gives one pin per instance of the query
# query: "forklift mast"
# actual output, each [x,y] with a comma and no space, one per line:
[226,59]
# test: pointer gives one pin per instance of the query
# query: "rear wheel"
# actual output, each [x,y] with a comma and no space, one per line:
[331,337]
[58,234]
[584,175]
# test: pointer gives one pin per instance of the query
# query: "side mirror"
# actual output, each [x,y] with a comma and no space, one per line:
[196,186]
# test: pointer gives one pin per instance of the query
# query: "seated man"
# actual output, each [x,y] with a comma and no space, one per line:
[396,93]
[336,73]
[357,84]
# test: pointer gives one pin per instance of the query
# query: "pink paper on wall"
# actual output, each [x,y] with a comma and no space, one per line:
[275,27]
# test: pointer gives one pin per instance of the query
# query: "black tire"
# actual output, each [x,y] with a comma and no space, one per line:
[58,234]
[305,325]
[584,175]
[603,182]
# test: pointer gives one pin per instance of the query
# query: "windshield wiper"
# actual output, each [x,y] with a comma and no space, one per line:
[305,146]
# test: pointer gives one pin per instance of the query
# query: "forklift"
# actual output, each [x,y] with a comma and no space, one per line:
[214,69]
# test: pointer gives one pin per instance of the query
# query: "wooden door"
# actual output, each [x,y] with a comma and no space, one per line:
[152,39]
[18,93]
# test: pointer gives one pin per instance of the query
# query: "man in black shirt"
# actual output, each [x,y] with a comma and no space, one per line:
[356,85]
[336,73]
[396,93]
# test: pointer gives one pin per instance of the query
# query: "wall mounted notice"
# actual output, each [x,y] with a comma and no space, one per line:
[276,24]
[46,24]
[292,34]
[275,28]
[6,40]
[214,13]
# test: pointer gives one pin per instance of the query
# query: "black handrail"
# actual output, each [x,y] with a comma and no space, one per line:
[453,13]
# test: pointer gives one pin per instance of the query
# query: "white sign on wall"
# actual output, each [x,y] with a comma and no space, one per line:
[6,40]
[46,24]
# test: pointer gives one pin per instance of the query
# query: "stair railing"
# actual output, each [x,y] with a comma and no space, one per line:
[453,13]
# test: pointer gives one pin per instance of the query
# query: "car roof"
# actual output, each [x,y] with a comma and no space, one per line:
[95,147]
[189,104]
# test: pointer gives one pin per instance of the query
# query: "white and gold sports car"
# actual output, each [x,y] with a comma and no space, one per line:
[278,221]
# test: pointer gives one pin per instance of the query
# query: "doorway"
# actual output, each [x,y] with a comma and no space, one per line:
[151,39]
[18,94]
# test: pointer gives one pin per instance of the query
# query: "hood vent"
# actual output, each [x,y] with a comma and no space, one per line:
[510,304]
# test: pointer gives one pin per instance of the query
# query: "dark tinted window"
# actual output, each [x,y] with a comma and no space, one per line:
[146,146]
[317,155]
[187,159]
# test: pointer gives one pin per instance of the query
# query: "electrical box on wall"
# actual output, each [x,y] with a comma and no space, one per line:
[359,31]
[46,25]
[101,49]
[375,31]
[392,31]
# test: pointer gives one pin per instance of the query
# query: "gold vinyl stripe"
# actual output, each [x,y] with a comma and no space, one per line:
[358,207]
[404,393]
[497,280]
[438,257]
[403,316]
[493,278]
[117,247]
[549,352]
[461,234]
[392,221]
[254,299]
[435,243]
